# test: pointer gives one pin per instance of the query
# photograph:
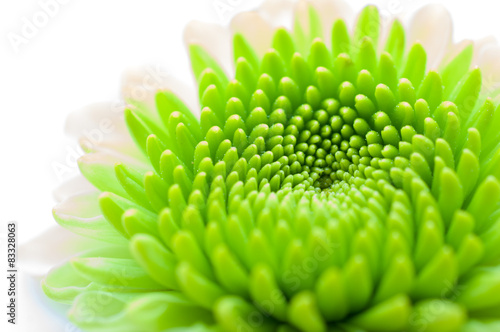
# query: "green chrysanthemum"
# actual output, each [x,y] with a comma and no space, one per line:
[323,188]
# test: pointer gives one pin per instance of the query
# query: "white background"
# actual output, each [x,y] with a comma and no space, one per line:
[77,58]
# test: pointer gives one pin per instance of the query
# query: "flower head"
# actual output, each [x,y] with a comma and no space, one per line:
[328,185]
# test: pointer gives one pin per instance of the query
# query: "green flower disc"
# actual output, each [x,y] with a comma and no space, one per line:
[327,186]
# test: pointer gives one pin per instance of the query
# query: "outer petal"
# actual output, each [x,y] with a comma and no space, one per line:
[432,27]
[51,248]
[328,10]
[277,12]
[101,127]
[490,66]
[482,45]
[256,30]
[121,144]
[99,117]
[454,50]
[74,186]
[387,20]
[331,10]
[485,56]
[142,83]
[215,39]
[99,169]
[82,215]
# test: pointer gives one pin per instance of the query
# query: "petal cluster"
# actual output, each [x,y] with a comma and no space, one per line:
[328,186]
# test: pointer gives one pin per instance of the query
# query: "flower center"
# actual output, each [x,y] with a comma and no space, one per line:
[328,142]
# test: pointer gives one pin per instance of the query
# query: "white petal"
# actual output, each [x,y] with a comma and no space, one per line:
[482,45]
[142,83]
[82,215]
[110,158]
[101,131]
[301,14]
[122,144]
[51,248]
[432,27]
[215,39]
[331,10]
[96,120]
[257,30]
[277,12]
[454,50]
[101,127]
[328,10]
[84,205]
[74,186]
[490,68]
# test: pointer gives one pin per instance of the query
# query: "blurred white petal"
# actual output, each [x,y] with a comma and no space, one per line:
[257,31]
[490,68]
[480,46]
[432,27]
[277,12]
[51,248]
[82,215]
[328,11]
[455,50]
[331,10]
[74,186]
[96,120]
[215,39]
[142,83]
